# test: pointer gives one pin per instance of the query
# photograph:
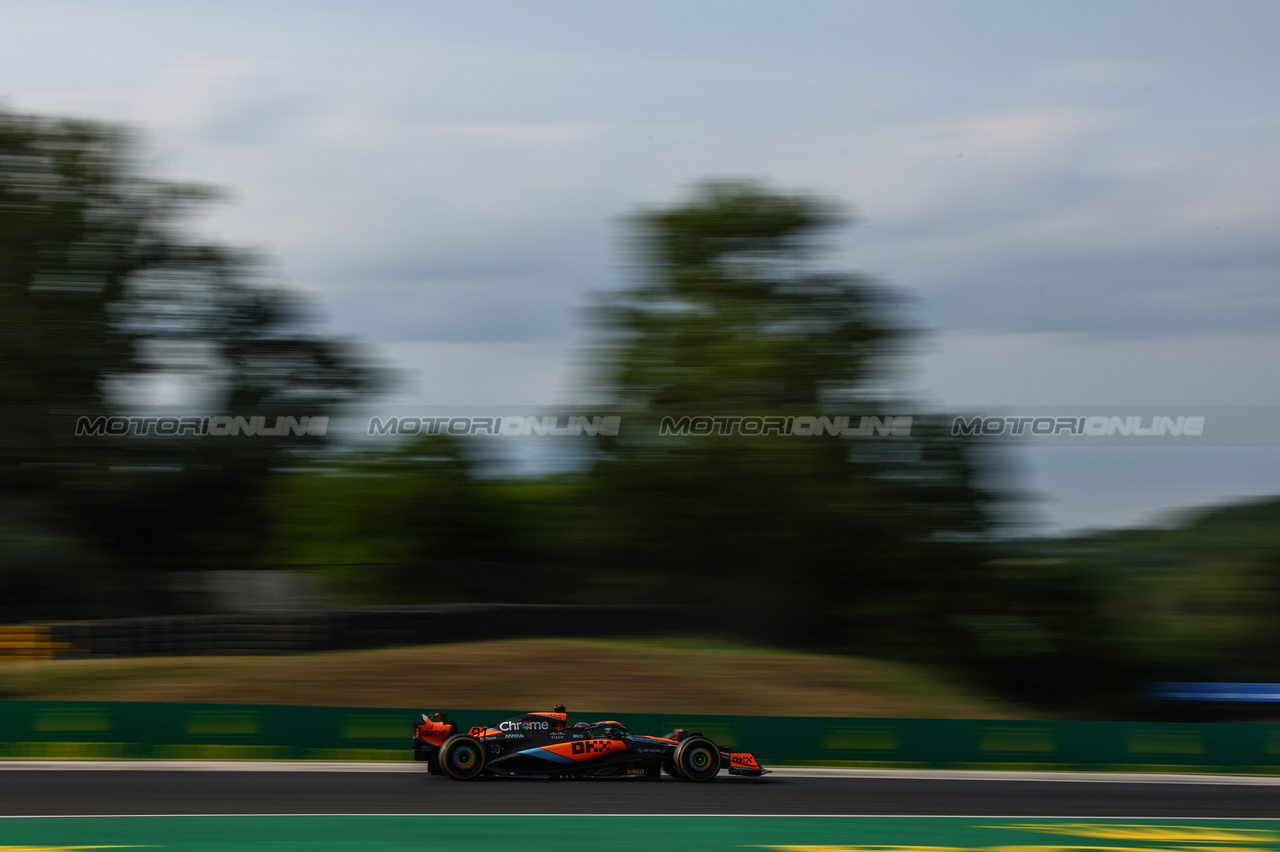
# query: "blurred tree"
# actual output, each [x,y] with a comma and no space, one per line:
[1196,601]
[101,293]
[415,522]
[839,542]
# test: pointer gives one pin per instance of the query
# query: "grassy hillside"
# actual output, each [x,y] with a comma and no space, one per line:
[639,676]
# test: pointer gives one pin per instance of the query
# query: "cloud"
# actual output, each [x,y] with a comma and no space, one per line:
[529,374]
[1105,488]
[471,190]
[1087,202]
[965,368]
[1104,72]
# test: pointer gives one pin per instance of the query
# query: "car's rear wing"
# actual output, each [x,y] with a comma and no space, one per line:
[435,728]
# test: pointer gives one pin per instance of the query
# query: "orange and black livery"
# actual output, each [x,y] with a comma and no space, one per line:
[545,745]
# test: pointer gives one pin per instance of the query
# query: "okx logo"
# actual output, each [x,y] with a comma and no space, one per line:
[590,746]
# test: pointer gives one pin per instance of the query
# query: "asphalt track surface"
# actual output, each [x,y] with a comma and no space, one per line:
[119,789]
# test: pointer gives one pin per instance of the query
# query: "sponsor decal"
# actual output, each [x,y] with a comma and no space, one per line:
[590,746]
[525,726]
[635,771]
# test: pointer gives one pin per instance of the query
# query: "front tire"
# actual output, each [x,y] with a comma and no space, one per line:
[697,759]
[461,757]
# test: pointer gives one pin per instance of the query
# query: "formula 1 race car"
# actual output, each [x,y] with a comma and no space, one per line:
[544,745]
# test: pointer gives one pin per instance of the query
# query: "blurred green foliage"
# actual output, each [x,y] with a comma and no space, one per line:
[881,546]
[866,542]
[416,523]
[1196,601]
[101,293]
[875,545]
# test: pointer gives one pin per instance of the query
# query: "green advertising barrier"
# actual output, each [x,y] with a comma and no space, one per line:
[126,731]
[137,731]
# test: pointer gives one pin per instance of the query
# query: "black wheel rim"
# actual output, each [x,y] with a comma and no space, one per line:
[699,761]
[463,758]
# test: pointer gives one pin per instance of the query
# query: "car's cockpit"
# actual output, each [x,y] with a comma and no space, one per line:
[602,730]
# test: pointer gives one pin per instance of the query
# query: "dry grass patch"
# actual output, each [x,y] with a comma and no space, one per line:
[614,676]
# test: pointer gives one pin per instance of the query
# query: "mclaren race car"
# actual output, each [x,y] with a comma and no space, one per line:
[545,745]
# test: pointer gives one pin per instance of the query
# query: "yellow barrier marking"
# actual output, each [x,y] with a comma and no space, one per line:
[1165,742]
[1018,740]
[374,727]
[223,722]
[1160,833]
[1201,836]
[87,720]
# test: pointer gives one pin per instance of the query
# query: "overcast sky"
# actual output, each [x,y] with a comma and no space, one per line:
[1083,197]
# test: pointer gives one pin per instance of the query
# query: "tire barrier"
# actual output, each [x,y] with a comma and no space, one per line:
[125,731]
[31,642]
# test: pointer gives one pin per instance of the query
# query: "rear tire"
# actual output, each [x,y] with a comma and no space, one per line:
[697,759]
[461,757]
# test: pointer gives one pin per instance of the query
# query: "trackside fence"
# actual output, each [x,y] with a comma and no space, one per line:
[309,631]
[128,731]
